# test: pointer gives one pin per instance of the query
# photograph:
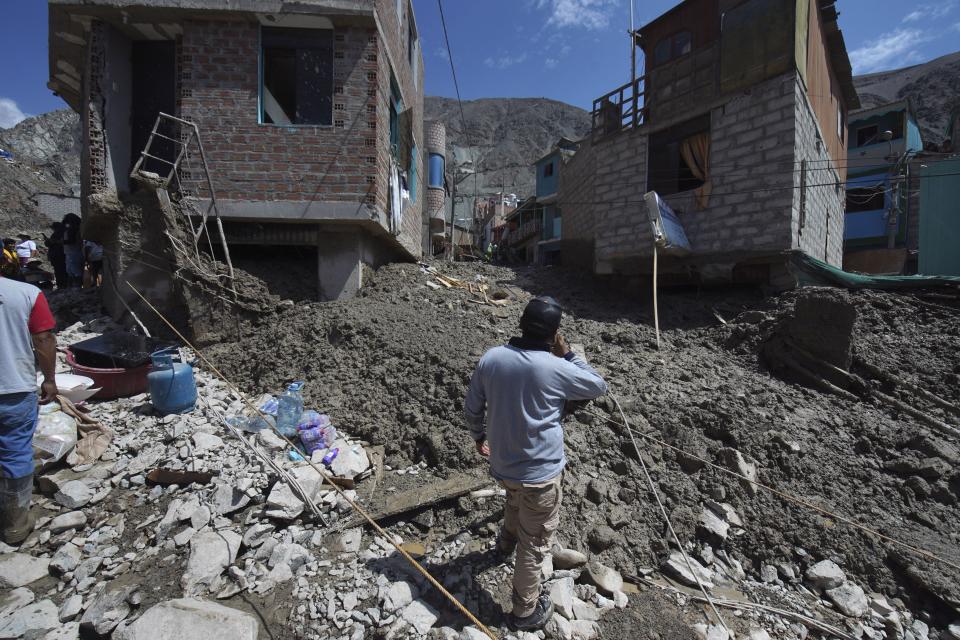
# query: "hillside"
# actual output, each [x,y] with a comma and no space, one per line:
[46,157]
[934,87]
[506,135]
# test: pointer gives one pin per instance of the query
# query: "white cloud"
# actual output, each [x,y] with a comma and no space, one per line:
[551,63]
[930,11]
[10,113]
[891,50]
[503,62]
[441,53]
[589,14]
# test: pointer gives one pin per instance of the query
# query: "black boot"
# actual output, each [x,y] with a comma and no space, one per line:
[17,521]
[536,620]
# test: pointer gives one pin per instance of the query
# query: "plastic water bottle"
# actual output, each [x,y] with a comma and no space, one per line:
[289,410]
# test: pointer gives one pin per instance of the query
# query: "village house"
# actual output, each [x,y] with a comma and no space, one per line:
[881,232]
[739,123]
[310,114]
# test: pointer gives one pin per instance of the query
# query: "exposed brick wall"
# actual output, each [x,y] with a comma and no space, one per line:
[94,154]
[219,86]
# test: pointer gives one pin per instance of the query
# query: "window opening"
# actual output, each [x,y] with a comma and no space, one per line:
[297,78]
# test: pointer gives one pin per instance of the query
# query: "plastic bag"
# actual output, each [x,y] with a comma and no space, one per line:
[55,435]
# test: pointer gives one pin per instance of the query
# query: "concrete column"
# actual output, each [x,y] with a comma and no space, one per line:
[339,264]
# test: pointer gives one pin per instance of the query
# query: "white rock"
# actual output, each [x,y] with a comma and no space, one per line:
[954,630]
[20,569]
[284,504]
[714,524]
[227,499]
[73,494]
[109,608]
[293,555]
[210,553]
[620,600]
[756,633]
[397,595]
[34,617]
[348,541]
[14,599]
[850,600]
[710,632]
[825,575]
[184,536]
[584,610]
[567,559]
[187,619]
[257,534]
[70,520]
[561,593]
[584,630]
[420,616]
[66,558]
[206,442]
[607,580]
[71,608]
[735,461]
[676,567]
[350,462]
[725,511]
[270,440]
[200,517]
[472,633]
[558,627]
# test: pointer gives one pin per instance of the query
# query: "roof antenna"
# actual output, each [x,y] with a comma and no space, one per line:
[633,49]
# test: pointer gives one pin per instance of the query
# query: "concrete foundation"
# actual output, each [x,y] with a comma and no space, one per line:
[340,257]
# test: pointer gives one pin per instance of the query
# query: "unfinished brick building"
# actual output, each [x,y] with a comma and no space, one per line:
[739,123]
[310,114]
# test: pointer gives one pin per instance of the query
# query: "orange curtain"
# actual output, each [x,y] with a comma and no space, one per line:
[696,153]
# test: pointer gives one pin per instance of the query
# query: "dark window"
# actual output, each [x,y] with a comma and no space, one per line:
[866,199]
[297,76]
[867,135]
[547,170]
[671,47]
[667,171]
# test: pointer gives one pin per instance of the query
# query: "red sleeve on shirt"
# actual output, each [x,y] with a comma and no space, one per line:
[40,317]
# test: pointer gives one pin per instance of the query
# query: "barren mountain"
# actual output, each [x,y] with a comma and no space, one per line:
[933,86]
[505,136]
[46,158]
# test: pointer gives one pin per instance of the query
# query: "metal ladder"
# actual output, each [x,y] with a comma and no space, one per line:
[185,133]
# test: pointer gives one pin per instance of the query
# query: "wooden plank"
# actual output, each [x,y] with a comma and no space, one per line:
[421,497]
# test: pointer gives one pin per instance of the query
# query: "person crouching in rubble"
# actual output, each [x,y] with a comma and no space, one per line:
[513,410]
[26,326]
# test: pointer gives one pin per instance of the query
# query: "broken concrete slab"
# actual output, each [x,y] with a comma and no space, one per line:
[20,569]
[187,619]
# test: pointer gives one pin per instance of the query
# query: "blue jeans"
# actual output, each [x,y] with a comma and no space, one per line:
[18,419]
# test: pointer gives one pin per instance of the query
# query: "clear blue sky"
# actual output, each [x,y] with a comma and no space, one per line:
[569,50]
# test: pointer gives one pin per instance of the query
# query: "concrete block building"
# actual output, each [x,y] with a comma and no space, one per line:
[310,113]
[740,124]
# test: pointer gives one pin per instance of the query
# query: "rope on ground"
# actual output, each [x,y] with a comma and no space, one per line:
[754,606]
[786,496]
[286,477]
[666,517]
[356,507]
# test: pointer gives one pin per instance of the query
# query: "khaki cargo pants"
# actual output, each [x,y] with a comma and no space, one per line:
[530,517]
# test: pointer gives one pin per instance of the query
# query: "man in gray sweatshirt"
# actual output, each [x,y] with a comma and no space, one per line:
[513,410]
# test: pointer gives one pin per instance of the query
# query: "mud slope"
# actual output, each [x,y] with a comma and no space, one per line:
[392,366]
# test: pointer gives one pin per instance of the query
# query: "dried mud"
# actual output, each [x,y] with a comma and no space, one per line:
[392,367]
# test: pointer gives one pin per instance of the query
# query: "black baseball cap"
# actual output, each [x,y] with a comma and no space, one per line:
[541,317]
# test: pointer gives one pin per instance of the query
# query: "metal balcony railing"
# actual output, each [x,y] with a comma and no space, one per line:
[621,109]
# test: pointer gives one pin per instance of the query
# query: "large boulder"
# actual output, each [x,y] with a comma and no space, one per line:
[187,619]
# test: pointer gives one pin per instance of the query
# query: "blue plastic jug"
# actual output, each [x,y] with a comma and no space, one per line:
[172,387]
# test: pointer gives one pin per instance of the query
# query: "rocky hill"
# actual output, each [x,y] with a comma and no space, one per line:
[505,135]
[934,87]
[46,157]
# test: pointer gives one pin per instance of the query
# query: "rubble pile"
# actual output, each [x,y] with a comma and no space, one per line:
[182,529]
